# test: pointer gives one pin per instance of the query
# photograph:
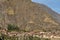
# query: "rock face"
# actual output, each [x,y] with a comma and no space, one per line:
[27,15]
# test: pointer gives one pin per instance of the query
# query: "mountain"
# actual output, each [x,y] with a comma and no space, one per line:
[54,14]
[28,15]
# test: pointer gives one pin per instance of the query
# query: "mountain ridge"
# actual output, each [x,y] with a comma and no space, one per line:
[28,15]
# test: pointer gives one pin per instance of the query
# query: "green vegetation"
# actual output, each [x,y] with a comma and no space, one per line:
[0,28]
[45,39]
[36,38]
[27,29]
[12,27]
[22,38]
[4,37]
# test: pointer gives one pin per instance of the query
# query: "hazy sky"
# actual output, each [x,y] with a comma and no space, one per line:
[53,4]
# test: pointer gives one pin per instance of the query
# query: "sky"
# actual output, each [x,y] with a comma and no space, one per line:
[53,4]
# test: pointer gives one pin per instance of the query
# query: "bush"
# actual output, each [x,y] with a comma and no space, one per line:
[12,27]
[36,38]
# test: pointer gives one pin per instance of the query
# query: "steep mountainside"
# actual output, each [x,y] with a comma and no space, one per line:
[28,15]
[54,14]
